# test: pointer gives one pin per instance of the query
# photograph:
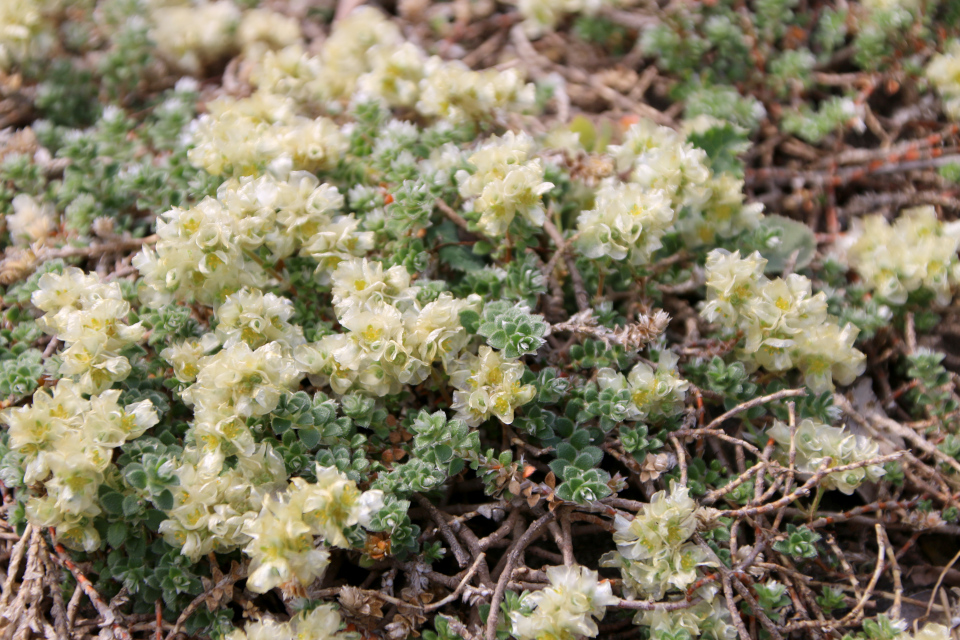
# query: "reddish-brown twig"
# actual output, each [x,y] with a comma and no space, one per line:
[109,616]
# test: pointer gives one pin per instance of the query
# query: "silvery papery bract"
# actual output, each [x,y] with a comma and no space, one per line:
[283,546]
[785,325]
[707,206]
[487,385]
[67,443]
[653,552]
[391,338]
[817,443]
[505,183]
[917,251]
[90,317]
[652,394]
[320,623]
[626,222]
[943,70]
[564,610]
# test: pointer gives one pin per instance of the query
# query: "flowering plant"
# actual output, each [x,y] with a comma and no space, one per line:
[344,322]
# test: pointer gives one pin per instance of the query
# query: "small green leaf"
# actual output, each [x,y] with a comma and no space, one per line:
[483,248]
[443,452]
[461,258]
[131,505]
[164,501]
[470,320]
[136,476]
[580,439]
[154,518]
[498,340]
[584,462]
[795,237]
[566,451]
[723,144]
[112,502]
[116,534]
[585,130]
[310,438]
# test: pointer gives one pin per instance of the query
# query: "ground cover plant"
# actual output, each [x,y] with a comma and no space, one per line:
[536,320]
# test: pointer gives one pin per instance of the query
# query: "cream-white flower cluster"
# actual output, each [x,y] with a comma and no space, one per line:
[209,252]
[367,54]
[296,213]
[199,256]
[488,384]
[875,6]
[215,503]
[185,355]
[362,41]
[451,91]
[566,609]
[232,385]
[263,132]
[276,127]
[916,251]
[90,317]
[654,552]
[239,370]
[284,536]
[249,316]
[709,619]
[504,183]
[212,504]
[652,393]
[391,338]
[707,205]
[281,526]
[541,16]
[67,443]
[31,221]
[657,559]
[394,73]
[930,631]
[943,70]
[320,623]
[261,30]
[817,443]
[193,36]
[626,222]
[784,324]
[25,29]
